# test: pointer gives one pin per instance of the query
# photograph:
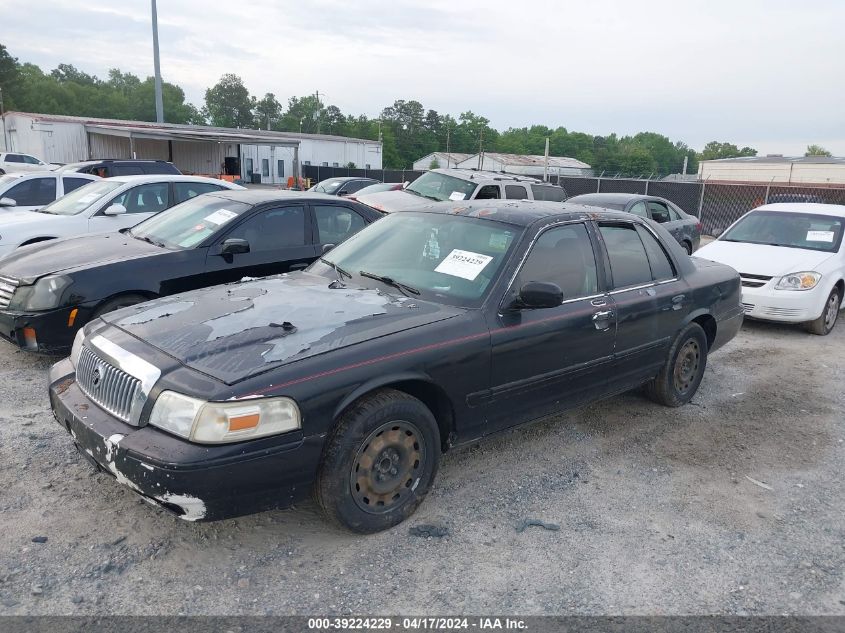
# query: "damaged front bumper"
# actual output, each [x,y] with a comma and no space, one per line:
[197,482]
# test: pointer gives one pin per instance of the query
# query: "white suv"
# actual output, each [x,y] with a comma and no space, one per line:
[29,192]
[103,206]
[14,162]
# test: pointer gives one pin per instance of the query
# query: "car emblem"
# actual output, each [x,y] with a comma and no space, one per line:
[97,375]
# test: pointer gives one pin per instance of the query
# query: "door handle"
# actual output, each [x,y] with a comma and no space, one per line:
[678,299]
[604,314]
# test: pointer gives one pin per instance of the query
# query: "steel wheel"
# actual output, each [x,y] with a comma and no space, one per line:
[386,466]
[831,312]
[686,366]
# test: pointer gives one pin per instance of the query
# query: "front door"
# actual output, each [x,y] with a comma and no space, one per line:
[141,202]
[549,359]
[280,241]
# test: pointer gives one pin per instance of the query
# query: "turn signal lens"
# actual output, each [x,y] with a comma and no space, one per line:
[29,338]
[72,317]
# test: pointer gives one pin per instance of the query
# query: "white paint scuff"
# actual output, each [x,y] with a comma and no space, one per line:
[194,508]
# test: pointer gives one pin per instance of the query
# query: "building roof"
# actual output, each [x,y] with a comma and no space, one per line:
[530,160]
[150,129]
[452,157]
[778,159]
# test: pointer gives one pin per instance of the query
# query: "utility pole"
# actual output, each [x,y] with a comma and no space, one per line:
[546,162]
[448,154]
[157,64]
[317,113]
[480,150]
[3,117]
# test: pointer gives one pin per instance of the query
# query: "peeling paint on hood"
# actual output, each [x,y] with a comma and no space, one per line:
[235,331]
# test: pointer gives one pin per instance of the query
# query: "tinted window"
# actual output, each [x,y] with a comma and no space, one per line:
[273,229]
[659,211]
[515,192]
[335,224]
[74,183]
[628,260]
[14,158]
[548,192]
[639,209]
[150,198]
[159,168]
[125,170]
[563,256]
[31,160]
[33,192]
[188,190]
[488,192]
[661,265]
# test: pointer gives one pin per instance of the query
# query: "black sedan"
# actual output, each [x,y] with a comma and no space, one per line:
[426,330]
[684,227]
[343,185]
[50,289]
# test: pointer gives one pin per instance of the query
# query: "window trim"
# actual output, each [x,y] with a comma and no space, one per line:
[340,204]
[614,291]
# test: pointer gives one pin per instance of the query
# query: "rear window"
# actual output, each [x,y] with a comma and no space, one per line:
[159,168]
[548,192]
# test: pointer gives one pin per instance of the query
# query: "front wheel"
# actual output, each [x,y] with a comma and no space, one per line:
[379,462]
[824,324]
[680,377]
[687,247]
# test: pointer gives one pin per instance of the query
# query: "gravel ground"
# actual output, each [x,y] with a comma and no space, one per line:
[656,508]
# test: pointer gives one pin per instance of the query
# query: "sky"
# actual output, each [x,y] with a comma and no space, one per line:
[763,73]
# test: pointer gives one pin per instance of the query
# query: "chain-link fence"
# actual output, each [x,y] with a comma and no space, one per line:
[717,205]
[317,173]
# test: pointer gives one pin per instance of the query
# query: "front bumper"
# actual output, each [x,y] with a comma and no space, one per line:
[786,306]
[52,333]
[197,482]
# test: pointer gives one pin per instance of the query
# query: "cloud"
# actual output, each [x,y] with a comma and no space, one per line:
[764,70]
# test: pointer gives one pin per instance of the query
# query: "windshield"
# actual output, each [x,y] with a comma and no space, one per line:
[189,223]
[447,258]
[8,178]
[794,230]
[383,186]
[80,199]
[439,186]
[328,186]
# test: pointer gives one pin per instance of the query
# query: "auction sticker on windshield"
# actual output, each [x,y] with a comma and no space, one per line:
[820,236]
[221,216]
[457,195]
[463,264]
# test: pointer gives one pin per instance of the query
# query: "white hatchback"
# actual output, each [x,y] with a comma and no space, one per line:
[791,260]
[106,205]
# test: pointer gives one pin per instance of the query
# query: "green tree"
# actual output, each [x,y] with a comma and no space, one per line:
[10,78]
[816,150]
[715,150]
[228,104]
[268,112]
[434,164]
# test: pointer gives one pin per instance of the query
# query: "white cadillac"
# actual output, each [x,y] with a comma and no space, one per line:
[103,206]
[791,260]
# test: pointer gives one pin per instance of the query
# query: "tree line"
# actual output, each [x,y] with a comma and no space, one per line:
[407,129]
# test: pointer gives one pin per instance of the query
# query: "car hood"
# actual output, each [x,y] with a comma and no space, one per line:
[761,259]
[20,217]
[28,263]
[235,331]
[390,201]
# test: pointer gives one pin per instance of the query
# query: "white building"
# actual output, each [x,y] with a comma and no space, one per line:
[527,165]
[442,159]
[193,149]
[821,170]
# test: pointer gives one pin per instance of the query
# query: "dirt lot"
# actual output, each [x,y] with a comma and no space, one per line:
[657,510]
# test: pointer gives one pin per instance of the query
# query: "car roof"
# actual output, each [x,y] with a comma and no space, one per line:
[345,178]
[481,175]
[142,178]
[805,207]
[260,196]
[521,212]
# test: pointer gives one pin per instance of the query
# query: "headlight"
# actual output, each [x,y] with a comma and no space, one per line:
[798,281]
[77,347]
[44,295]
[222,422]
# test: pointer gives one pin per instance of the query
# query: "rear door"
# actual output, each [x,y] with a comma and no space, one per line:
[333,223]
[33,193]
[660,213]
[280,240]
[545,360]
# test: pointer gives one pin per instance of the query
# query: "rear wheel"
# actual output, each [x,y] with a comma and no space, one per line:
[687,247]
[379,462]
[824,324]
[680,377]
[116,303]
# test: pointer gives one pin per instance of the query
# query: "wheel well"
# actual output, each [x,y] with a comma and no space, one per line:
[35,240]
[841,285]
[436,400]
[141,293]
[708,324]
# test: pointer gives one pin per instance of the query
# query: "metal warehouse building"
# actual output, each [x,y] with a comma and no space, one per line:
[818,170]
[443,159]
[527,165]
[254,155]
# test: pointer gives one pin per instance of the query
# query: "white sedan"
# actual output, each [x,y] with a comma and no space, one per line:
[11,162]
[103,206]
[791,260]
[29,192]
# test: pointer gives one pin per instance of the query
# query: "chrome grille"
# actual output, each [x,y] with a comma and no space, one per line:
[109,387]
[7,289]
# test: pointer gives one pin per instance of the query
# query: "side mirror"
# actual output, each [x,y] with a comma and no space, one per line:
[8,202]
[328,247]
[115,209]
[234,246]
[539,294]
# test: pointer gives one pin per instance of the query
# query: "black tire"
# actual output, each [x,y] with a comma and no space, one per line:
[115,303]
[680,377]
[379,462]
[687,247]
[830,313]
